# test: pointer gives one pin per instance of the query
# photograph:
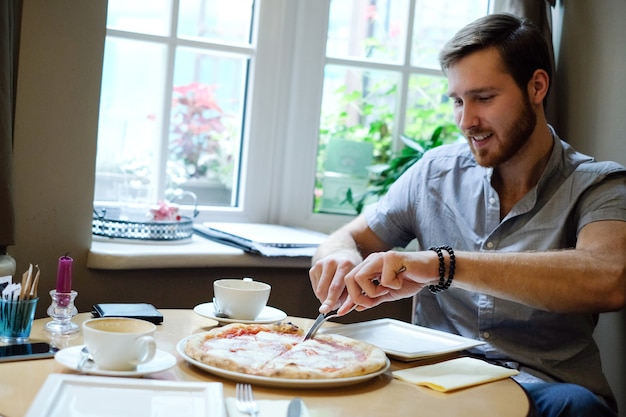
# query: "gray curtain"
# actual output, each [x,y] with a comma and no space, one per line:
[538,12]
[10,17]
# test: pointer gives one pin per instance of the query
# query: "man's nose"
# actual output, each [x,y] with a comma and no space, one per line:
[467,118]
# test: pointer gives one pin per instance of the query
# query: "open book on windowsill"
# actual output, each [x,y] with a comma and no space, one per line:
[263,239]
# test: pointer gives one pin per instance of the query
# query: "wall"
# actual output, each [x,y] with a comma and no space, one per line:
[55,136]
[592,110]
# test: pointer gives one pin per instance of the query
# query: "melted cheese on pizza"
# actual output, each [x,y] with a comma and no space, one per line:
[318,356]
[280,351]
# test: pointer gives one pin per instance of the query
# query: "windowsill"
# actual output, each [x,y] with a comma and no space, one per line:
[197,253]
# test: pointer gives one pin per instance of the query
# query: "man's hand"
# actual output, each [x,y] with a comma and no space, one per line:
[336,257]
[327,278]
[388,276]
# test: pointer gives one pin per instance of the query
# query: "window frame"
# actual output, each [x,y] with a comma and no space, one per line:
[282,114]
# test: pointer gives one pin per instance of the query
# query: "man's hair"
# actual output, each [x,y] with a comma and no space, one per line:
[521,45]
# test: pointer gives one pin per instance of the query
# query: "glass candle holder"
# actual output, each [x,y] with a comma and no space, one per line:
[61,311]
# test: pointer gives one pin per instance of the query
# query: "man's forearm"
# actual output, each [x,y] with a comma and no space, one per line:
[567,281]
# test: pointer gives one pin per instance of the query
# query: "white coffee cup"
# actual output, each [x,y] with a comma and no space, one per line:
[119,343]
[241,299]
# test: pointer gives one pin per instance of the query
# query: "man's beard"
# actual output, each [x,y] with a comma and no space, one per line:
[517,134]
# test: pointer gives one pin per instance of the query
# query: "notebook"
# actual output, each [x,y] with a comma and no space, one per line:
[263,239]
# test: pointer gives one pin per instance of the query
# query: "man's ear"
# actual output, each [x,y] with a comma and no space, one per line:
[538,86]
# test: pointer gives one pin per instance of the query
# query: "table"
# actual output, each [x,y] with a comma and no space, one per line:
[383,395]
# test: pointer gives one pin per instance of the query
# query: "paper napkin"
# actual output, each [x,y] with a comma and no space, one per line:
[267,408]
[454,374]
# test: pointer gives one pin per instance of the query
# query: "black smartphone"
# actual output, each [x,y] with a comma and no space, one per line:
[26,351]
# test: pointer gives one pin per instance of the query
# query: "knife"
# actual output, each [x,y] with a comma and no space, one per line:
[295,408]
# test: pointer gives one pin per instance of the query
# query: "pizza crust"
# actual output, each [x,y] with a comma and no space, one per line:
[279,351]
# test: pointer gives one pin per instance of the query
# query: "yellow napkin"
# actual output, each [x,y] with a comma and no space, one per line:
[454,374]
[267,408]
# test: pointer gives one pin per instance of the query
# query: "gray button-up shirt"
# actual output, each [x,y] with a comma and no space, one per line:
[447,198]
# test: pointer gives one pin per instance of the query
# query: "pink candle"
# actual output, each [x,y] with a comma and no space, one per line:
[64,275]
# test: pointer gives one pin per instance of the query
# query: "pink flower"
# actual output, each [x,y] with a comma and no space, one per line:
[370,12]
[395,29]
[164,211]
[197,96]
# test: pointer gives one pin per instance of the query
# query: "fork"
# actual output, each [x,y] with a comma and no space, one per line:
[245,400]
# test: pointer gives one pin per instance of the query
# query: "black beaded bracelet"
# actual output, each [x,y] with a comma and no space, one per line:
[442,270]
[443,283]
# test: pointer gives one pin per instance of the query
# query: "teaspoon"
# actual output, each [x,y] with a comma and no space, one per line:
[85,357]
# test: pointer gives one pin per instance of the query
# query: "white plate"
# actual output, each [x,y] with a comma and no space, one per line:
[267,315]
[70,357]
[87,396]
[404,341]
[278,382]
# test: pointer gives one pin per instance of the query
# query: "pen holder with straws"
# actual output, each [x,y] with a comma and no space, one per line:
[62,310]
[16,319]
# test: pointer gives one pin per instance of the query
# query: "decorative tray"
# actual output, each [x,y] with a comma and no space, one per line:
[112,225]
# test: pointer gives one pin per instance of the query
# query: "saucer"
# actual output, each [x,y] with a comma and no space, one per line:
[70,357]
[267,315]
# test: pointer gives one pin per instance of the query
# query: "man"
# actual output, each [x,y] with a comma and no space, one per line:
[527,236]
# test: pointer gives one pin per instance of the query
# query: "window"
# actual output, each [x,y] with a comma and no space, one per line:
[267,110]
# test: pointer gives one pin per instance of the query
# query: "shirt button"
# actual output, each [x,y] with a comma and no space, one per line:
[492,201]
[490,245]
[486,335]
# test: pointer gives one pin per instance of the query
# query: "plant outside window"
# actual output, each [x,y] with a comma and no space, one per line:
[201,145]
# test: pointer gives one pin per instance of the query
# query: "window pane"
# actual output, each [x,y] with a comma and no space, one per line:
[356,123]
[149,147]
[436,22]
[359,106]
[367,29]
[130,121]
[216,20]
[141,16]
[205,129]
[428,106]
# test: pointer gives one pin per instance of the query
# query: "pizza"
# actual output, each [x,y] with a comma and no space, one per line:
[280,351]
